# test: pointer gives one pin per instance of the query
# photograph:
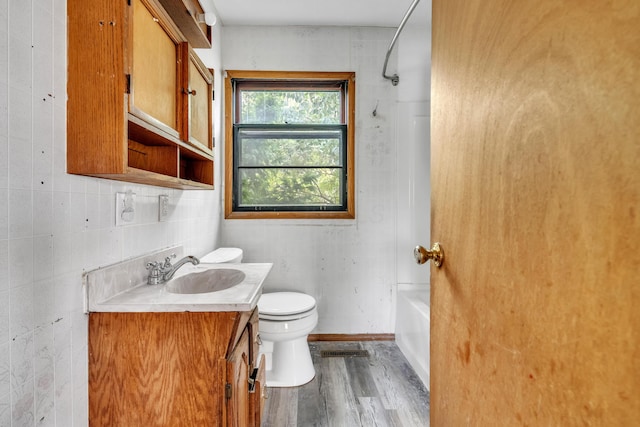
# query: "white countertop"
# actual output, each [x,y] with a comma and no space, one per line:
[154,298]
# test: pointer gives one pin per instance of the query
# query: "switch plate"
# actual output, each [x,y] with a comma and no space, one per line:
[163,207]
[125,208]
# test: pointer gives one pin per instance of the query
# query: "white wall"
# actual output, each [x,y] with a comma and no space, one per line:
[413,139]
[54,226]
[414,188]
[348,266]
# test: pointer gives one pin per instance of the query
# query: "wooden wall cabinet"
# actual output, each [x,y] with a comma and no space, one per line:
[139,103]
[168,369]
[185,14]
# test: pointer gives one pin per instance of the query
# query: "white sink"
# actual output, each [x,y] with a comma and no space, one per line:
[204,287]
[206,281]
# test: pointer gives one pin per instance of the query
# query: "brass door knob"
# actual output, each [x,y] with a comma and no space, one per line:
[436,254]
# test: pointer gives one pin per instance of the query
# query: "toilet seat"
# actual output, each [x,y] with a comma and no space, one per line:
[287,318]
[285,306]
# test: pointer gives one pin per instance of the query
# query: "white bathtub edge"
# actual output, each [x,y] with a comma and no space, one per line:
[412,327]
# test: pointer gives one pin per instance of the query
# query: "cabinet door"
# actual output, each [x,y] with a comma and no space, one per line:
[254,337]
[237,392]
[155,72]
[258,392]
[199,129]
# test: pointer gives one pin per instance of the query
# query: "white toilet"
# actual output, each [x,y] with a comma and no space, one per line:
[286,318]
[223,255]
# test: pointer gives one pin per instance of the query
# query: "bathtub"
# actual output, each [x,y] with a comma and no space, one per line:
[412,327]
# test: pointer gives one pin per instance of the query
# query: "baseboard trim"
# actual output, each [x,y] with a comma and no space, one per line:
[351,337]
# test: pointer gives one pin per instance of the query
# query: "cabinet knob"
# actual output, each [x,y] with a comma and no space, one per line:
[189,92]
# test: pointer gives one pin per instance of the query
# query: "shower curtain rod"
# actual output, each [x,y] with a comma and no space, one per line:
[395,79]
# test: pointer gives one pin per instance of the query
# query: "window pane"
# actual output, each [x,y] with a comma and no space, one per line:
[257,149]
[293,107]
[290,187]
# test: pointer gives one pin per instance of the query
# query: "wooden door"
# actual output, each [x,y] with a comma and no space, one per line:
[535,316]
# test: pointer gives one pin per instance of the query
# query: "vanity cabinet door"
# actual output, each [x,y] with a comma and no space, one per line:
[258,392]
[257,383]
[254,334]
[237,387]
[165,367]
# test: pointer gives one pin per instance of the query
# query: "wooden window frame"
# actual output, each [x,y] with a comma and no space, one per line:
[230,112]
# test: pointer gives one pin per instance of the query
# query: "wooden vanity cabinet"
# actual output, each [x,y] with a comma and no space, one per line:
[139,103]
[170,369]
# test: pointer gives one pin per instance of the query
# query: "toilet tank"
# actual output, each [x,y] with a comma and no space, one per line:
[223,255]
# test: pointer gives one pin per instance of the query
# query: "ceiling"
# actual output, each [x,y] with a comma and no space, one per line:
[376,13]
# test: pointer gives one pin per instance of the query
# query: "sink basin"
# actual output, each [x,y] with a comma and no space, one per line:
[205,281]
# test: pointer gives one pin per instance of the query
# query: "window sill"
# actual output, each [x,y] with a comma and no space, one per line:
[290,215]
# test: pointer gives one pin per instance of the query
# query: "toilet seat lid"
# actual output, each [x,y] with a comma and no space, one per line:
[285,303]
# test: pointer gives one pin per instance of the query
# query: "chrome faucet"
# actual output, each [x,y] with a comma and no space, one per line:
[160,272]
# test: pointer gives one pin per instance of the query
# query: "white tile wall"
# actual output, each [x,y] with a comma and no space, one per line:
[54,226]
[348,266]
[414,188]
[413,136]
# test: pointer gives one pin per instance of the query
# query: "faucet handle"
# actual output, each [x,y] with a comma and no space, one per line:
[167,262]
[154,273]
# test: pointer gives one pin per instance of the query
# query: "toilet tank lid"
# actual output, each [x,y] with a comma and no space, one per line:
[285,303]
[222,255]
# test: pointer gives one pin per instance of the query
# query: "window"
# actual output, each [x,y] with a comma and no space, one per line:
[290,145]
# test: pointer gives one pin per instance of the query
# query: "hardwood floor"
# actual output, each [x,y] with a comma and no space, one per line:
[378,390]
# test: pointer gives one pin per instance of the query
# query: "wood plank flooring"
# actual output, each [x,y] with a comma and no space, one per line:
[376,391]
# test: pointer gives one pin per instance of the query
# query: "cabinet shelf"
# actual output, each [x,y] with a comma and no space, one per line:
[141,176]
[195,167]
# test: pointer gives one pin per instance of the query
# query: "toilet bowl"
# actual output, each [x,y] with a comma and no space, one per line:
[286,319]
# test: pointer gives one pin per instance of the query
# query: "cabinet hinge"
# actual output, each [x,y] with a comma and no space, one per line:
[227,391]
[128,83]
